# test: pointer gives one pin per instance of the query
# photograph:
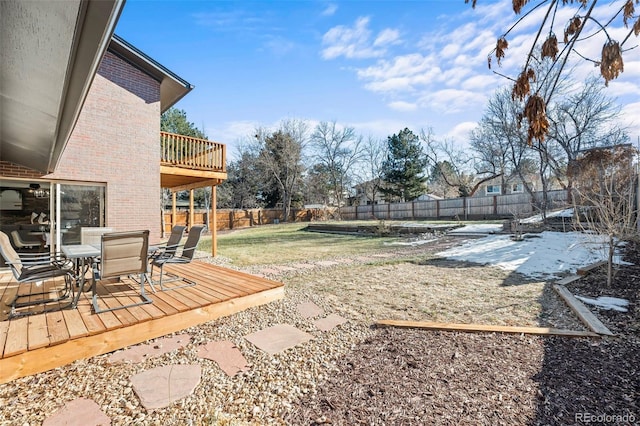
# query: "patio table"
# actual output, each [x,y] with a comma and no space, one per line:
[83,255]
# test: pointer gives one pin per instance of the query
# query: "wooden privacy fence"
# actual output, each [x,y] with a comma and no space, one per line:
[491,207]
[232,219]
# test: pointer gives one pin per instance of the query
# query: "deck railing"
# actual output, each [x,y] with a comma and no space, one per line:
[192,153]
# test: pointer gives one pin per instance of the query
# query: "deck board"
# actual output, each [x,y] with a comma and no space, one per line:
[38,333]
[37,343]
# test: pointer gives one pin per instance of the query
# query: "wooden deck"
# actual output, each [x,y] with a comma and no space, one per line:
[36,343]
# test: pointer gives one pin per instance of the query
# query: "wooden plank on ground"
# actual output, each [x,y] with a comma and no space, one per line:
[478,328]
[37,334]
[585,315]
[569,279]
[16,337]
[585,270]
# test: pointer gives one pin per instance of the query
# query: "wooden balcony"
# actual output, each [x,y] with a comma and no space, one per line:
[41,342]
[188,163]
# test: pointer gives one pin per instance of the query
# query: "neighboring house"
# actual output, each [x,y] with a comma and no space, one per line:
[363,193]
[80,130]
[429,197]
[505,186]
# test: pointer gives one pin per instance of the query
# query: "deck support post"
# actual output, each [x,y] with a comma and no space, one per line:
[191,212]
[174,210]
[213,223]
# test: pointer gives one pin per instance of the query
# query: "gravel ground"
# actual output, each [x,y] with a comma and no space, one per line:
[360,374]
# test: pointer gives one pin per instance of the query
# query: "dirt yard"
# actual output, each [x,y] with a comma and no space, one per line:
[412,376]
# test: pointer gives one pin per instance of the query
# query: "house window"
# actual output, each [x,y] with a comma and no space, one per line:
[493,190]
[517,187]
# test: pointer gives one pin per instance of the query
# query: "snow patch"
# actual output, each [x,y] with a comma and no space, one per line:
[606,302]
[547,257]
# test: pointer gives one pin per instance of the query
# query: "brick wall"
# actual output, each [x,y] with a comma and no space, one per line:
[8,169]
[116,141]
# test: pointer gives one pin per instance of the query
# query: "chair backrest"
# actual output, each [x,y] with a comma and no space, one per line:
[10,255]
[174,239]
[19,242]
[93,235]
[190,245]
[124,253]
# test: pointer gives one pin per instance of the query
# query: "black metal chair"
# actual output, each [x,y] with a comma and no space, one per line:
[34,269]
[172,257]
[121,254]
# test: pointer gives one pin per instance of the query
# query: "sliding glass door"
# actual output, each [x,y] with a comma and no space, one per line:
[77,206]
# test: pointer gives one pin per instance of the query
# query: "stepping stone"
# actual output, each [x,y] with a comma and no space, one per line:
[278,338]
[309,309]
[159,387]
[226,355]
[330,322]
[160,347]
[79,412]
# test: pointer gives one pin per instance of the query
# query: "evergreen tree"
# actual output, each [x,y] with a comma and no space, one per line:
[175,121]
[404,167]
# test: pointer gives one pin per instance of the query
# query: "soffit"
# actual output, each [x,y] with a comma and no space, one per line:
[49,53]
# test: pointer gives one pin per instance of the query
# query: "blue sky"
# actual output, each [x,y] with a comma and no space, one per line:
[378,66]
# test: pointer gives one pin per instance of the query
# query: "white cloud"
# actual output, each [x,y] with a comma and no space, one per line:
[330,10]
[403,106]
[386,37]
[450,101]
[460,133]
[631,118]
[356,42]
[479,82]
[402,73]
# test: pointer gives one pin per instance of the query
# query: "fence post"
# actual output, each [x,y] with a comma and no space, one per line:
[388,211]
[231,219]
[437,209]
[495,205]
[464,207]
[413,209]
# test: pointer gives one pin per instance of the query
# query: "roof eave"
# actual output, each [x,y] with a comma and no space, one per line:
[172,86]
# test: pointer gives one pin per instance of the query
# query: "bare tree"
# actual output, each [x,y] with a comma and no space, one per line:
[583,25]
[584,119]
[606,195]
[369,174]
[450,164]
[338,150]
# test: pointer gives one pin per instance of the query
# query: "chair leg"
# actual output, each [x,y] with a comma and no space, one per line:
[143,296]
[68,290]
[15,304]
[171,278]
